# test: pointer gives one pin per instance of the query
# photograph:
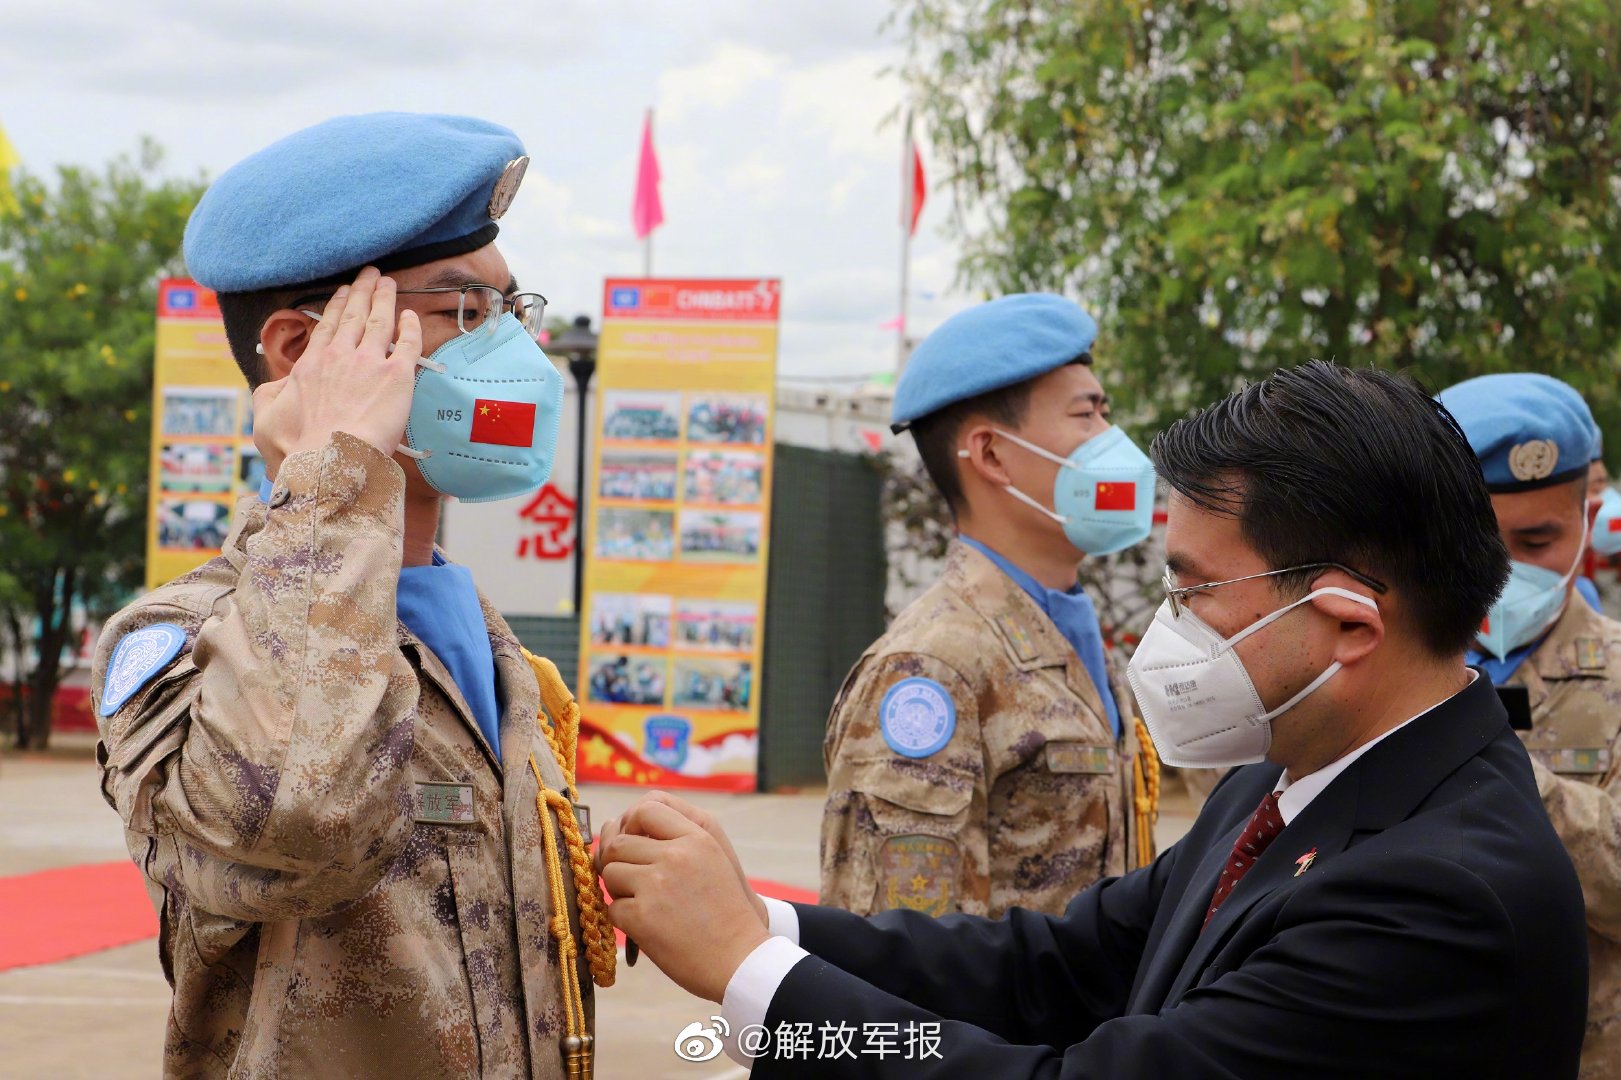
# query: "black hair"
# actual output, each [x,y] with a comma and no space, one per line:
[936,433]
[1323,463]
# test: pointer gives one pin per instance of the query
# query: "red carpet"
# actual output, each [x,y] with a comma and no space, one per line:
[59,914]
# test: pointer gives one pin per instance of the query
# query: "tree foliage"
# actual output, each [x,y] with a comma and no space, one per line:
[1237,185]
[80,259]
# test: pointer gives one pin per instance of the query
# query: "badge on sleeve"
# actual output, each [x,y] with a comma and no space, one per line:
[138,657]
[917,717]
[919,874]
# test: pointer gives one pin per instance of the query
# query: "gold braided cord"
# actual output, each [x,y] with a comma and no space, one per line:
[1145,792]
[568,955]
[558,702]
[600,951]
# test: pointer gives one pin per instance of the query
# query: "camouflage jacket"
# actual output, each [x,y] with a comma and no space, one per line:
[1574,682]
[325,910]
[1026,804]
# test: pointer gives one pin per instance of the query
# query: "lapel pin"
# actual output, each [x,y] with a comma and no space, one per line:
[1305,861]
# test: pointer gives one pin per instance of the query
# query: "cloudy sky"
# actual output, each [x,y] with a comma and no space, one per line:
[774,126]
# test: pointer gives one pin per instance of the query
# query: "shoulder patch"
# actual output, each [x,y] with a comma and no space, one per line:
[917,717]
[919,873]
[138,657]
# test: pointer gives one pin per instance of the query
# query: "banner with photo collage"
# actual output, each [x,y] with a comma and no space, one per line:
[678,533]
[203,457]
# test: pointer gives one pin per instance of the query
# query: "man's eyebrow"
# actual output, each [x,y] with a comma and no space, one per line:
[1544,528]
[454,277]
[1179,564]
[1088,398]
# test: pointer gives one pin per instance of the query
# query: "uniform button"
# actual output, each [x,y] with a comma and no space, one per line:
[279,494]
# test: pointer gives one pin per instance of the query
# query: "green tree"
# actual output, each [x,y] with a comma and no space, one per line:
[1236,186]
[79,264]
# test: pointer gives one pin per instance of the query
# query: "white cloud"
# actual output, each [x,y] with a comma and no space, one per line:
[770,125]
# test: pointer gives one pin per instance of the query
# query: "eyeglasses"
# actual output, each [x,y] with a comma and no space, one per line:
[478,307]
[1178,594]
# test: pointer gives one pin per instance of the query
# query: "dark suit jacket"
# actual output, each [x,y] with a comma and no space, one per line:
[1438,932]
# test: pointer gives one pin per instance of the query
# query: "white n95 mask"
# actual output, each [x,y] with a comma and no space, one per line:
[1200,706]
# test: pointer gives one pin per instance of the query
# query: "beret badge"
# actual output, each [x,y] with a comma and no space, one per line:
[1533,460]
[507,186]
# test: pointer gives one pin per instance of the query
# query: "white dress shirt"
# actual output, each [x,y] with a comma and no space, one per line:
[755,982]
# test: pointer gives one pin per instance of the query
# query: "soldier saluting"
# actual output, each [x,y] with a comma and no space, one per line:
[324,742]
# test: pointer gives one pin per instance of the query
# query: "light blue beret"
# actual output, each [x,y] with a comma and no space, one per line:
[1529,431]
[997,344]
[386,189]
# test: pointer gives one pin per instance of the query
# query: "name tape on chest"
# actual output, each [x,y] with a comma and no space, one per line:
[917,717]
[140,655]
[1074,757]
[446,804]
[1575,760]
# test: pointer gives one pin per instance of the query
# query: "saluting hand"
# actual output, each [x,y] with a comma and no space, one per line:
[346,379]
[677,892]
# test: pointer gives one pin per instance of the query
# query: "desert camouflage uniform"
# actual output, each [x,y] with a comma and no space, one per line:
[314,921]
[1574,682]
[1029,802]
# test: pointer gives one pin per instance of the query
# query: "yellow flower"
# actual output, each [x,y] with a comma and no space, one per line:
[80,289]
[106,352]
[70,476]
[129,416]
[5,387]
[121,489]
[4,510]
[21,294]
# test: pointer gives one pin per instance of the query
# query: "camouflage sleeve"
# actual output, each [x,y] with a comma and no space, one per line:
[905,828]
[282,778]
[1587,818]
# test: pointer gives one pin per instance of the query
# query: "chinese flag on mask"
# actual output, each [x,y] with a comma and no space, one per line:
[503,423]
[1116,496]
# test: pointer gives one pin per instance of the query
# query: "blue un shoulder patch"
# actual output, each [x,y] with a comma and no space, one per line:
[917,717]
[138,657]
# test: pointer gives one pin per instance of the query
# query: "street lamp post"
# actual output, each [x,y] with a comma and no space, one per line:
[579,344]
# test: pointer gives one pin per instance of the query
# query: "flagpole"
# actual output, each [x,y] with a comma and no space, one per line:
[647,255]
[906,239]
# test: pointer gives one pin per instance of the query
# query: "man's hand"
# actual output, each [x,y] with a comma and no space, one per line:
[708,824]
[346,380]
[676,892]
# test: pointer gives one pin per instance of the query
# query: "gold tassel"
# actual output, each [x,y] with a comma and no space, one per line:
[601,956]
[1145,792]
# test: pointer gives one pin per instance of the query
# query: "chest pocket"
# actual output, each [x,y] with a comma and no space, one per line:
[1574,730]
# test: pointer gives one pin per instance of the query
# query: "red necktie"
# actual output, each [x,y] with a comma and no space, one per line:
[1263,828]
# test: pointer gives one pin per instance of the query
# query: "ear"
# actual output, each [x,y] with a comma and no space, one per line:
[1361,628]
[282,340]
[976,453]
[1594,505]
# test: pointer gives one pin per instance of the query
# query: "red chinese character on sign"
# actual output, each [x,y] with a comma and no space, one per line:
[552,512]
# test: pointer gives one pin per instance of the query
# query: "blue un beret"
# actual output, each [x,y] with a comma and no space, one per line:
[1004,342]
[1529,431]
[386,189]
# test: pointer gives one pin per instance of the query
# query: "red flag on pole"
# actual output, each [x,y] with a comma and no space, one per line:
[920,190]
[647,212]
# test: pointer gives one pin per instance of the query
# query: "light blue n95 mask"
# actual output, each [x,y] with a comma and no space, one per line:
[484,415]
[1103,495]
[1607,527]
[1530,602]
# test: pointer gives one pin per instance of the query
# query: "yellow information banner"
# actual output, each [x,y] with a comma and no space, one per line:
[678,533]
[203,457]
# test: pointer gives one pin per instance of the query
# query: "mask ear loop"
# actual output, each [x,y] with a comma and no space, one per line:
[431,365]
[1062,519]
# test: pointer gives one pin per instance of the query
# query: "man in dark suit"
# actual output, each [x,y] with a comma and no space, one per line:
[1378,891]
